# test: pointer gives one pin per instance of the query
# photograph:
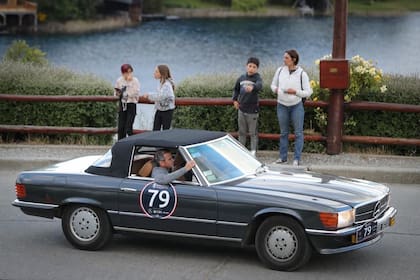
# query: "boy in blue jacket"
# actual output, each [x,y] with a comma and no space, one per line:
[246,101]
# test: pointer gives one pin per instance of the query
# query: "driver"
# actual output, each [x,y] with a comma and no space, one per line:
[165,163]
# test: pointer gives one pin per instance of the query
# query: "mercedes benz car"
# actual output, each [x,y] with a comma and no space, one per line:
[229,195]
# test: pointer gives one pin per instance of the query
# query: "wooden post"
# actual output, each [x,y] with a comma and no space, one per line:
[336,101]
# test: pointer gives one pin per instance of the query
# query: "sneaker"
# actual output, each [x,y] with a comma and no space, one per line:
[295,162]
[281,161]
[254,153]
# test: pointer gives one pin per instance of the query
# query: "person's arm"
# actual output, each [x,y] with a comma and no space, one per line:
[165,91]
[117,88]
[163,178]
[258,84]
[236,90]
[307,90]
[275,81]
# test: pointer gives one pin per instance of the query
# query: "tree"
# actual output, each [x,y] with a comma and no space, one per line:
[69,9]
[20,51]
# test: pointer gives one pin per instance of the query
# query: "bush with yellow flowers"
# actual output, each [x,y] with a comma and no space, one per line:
[365,77]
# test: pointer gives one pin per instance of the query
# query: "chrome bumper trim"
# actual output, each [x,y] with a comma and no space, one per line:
[382,222]
[45,206]
[177,234]
[179,218]
[352,247]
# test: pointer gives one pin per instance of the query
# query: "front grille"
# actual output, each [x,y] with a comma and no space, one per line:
[371,210]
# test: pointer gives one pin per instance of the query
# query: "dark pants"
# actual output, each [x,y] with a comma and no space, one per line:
[163,120]
[126,120]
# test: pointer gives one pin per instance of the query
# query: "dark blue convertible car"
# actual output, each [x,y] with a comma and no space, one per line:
[229,195]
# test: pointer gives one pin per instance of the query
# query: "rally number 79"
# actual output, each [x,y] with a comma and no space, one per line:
[162,195]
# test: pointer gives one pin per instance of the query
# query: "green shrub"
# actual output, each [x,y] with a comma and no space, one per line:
[63,10]
[21,78]
[364,77]
[152,6]
[401,90]
[20,51]
[248,5]
[368,83]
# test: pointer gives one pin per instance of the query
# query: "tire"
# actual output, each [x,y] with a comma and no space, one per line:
[282,244]
[86,227]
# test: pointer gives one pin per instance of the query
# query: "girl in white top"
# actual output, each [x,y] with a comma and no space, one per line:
[164,98]
[127,87]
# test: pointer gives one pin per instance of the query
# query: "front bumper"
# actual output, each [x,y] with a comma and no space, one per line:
[343,240]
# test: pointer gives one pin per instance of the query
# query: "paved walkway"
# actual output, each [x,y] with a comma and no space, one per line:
[380,168]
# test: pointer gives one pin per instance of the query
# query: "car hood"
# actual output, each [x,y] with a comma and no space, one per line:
[348,191]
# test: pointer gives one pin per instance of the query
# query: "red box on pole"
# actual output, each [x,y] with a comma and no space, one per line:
[334,74]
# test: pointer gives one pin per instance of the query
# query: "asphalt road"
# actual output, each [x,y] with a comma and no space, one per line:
[35,248]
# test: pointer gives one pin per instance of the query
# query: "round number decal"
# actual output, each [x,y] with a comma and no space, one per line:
[158,201]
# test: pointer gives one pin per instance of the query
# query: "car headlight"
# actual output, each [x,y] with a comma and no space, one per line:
[337,220]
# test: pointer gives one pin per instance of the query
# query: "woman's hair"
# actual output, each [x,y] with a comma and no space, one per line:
[294,55]
[165,75]
[125,68]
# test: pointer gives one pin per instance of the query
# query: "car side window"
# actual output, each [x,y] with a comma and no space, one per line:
[104,161]
[143,163]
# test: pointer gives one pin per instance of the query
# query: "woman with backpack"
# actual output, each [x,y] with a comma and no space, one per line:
[291,84]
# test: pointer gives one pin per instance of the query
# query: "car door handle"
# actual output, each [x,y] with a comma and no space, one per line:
[128,189]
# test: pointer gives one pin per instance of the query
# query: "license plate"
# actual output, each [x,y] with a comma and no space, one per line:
[366,231]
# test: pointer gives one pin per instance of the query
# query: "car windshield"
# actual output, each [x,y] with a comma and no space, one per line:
[104,161]
[223,160]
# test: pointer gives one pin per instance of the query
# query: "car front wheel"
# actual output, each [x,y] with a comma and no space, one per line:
[281,244]
[86,227]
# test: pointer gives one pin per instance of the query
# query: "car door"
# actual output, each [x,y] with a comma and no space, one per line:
[181,207]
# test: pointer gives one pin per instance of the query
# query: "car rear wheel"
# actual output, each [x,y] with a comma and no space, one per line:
[86,227]
[281,244]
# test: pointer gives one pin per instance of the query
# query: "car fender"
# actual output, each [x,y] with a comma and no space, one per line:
[261,215]
[81,200]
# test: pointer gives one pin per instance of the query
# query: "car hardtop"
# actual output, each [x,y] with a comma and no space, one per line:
[166,139]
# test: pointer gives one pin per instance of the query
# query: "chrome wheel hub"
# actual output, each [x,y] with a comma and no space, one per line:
[281,243]
[84,224]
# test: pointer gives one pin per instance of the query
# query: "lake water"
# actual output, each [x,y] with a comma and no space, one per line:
[205,46]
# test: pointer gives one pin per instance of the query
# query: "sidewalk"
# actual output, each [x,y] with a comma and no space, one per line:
[380,168]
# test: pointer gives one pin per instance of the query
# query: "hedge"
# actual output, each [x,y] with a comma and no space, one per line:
[19,78]
[402,90]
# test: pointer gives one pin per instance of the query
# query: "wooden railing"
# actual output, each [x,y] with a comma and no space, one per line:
[356,106]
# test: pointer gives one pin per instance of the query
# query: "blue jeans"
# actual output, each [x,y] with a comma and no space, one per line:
[294,115]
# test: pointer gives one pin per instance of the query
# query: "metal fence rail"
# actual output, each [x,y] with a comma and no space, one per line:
[355,106]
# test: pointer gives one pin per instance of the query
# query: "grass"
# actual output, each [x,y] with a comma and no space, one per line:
[191,4]
[384,6]
[355,6]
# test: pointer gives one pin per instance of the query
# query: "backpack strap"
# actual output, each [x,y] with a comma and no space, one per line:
[278,78]
[301,85]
